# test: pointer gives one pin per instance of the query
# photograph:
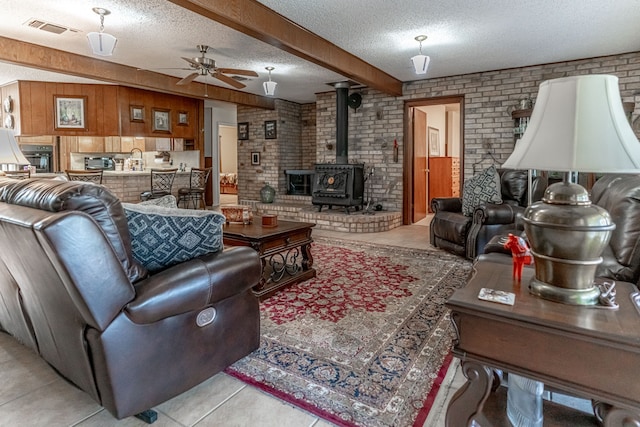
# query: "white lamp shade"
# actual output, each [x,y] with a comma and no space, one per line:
[269,87]
[102,43]
[578,124]
[9,151]
[421,63]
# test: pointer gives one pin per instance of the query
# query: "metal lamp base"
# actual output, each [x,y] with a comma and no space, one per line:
[544,290]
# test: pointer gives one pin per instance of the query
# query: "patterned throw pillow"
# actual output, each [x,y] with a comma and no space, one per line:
[479,189]
[162,237]
[168,201]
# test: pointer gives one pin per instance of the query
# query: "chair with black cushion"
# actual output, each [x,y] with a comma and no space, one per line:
[161,184]
[195,193]
[94,176]
[23,174]
[465,232]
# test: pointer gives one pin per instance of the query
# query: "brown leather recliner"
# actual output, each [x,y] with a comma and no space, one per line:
[464,235]
[71,290]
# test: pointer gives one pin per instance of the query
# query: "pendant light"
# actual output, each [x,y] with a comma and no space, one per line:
[102,43]
[420,61]
[269,86]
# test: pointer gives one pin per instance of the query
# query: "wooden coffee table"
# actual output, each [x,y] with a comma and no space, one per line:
[285,252]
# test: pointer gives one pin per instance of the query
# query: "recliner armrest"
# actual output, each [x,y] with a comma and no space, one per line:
[490,213]
[195,284]
[449,204]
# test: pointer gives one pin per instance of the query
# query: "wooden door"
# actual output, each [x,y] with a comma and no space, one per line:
[419,165]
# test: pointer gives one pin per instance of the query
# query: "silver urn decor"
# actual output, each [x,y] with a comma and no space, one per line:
[567,234]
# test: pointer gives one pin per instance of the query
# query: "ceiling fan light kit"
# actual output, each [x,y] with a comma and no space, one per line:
[269,86]
[203,65]
[101,43]
[420,61]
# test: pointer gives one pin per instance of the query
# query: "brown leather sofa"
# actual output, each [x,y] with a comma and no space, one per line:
[466,236]
[71,291]
[619,194]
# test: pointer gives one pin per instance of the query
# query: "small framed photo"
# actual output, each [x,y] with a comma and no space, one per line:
[270,131]
[434,141]
[243,130]
[183,118]
[255,158]
[137,113]
[70,112]
[161,120]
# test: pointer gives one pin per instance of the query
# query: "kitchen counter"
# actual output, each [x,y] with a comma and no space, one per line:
[127,185]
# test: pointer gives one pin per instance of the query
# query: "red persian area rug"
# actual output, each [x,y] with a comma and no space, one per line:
[365,343]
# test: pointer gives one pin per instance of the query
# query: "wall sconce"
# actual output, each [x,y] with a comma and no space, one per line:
[420,61]
[269,86]
[102,43]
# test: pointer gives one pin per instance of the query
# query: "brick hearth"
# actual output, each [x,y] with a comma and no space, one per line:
[299,208]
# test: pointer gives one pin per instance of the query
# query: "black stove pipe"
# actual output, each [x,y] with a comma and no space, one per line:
[342,123]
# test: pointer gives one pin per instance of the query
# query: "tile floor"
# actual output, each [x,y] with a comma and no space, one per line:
[32,394]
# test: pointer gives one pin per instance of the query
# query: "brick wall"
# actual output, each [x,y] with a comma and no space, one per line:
[276,155]
[488,96]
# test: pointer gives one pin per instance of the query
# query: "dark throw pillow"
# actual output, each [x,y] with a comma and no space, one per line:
[479,189]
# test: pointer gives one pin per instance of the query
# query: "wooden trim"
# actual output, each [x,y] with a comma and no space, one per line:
[58,61]
[258,21]
[407,173]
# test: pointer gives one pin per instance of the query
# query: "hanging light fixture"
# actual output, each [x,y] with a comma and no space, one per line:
[420,61]
[269,87]
[102,43]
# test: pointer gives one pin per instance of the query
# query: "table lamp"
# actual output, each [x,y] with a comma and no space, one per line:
[10,153]
[578,124]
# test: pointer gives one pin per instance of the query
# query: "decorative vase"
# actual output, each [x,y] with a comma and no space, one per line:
[267,193]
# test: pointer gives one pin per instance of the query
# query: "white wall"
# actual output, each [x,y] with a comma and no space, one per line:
[219,113]
[228,148]
[436,118]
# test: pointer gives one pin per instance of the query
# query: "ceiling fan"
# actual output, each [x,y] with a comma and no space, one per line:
[203,65]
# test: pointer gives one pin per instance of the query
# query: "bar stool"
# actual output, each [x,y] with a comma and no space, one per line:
[195,193]
[21,174]
[161,183]
[94,176]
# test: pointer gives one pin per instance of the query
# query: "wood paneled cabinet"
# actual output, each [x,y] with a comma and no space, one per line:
[128,143]
[444,177]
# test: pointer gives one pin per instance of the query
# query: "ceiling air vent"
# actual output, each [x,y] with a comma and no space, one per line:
[48,26]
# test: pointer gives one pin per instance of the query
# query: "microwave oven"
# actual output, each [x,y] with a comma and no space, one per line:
[96,163]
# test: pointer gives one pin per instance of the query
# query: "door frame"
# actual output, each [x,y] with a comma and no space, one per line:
[408,148]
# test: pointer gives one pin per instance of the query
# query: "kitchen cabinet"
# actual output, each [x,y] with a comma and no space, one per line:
[91,144]
[128,143]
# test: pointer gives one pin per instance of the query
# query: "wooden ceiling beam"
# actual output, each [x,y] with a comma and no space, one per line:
[258,21]
[58,61]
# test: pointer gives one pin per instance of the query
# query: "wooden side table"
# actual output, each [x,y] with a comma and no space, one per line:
[285,252]
[589,352]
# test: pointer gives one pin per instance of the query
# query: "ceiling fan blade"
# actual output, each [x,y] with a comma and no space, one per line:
[168,68]
[238,72]
[185,81]
[193,63]
[228,80]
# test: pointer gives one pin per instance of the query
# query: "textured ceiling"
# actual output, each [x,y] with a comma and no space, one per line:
[464,36]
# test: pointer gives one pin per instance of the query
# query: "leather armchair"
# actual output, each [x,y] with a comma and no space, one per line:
[466,236]
[70,290]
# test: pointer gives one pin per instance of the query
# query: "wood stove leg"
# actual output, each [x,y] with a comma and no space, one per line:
[468,401]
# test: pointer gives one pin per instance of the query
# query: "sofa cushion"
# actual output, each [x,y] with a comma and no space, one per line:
[162,237]
[451,226]
[479,189]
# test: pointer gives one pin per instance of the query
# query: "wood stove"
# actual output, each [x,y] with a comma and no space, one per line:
[338,185]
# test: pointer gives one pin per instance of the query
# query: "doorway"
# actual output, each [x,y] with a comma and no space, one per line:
[434,150]
[228,182]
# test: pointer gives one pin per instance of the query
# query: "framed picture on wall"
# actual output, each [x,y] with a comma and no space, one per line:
[183,118]
[137,113]
[70,112]
[255,158]
[270,131]
[434,141]
[161,120]
[243,130]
